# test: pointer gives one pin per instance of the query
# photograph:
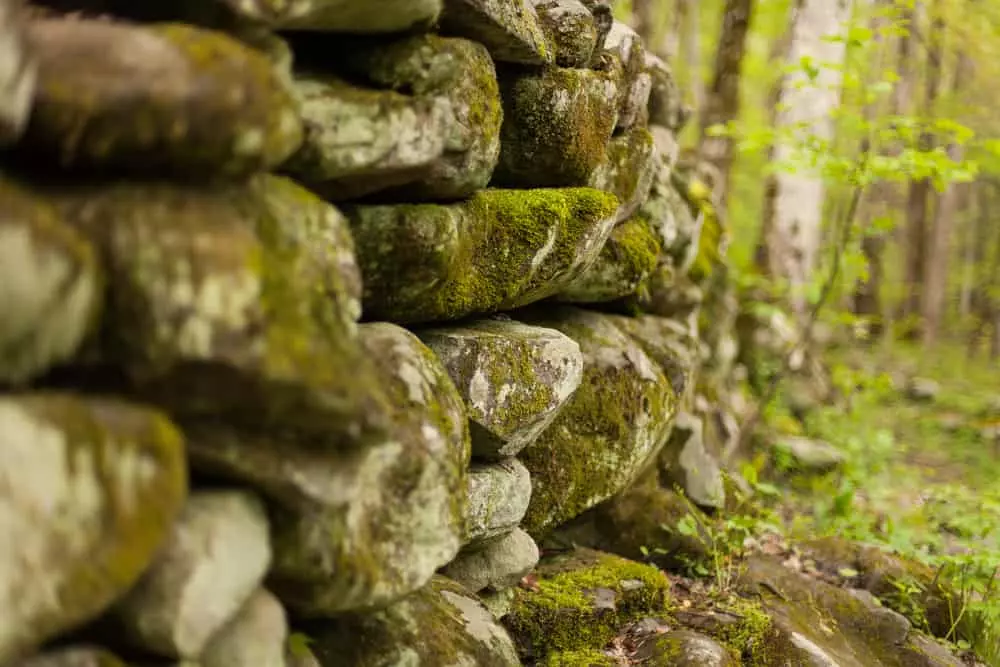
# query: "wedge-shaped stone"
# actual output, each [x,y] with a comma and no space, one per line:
[255,636]
[557,124]
[626,261]
[214,560]
[18,74]
[611,429]
[513,378]
[237,301]
[425,263]
[442,624]
[91,489]
[571,29]
[167,99]
[498,497]
[363,528]
[49,284]
[509,28]
[429,128]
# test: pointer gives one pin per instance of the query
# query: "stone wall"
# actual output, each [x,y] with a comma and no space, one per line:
[319,316]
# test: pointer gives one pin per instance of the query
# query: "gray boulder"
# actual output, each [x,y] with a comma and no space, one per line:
[571,29]
[509,29]
[497,564]
[255,637]
[498,497]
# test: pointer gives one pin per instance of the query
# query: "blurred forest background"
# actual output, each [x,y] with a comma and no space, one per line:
[857,146]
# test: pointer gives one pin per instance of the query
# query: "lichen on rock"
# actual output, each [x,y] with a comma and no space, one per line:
[496,564]
[498,497]
[571,29]
[628,170]
[508,28]
[557,124]
[424,263]
[162,99]
[114,474]
[514,379]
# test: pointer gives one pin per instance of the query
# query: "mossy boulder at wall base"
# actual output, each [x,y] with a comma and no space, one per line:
[498,250]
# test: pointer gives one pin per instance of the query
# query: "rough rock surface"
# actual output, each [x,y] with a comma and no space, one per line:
[255,636]
[217,555]
[171,98]
[395,508]
[18,72]
[571,29]
[423,263]
[514,379]
[498,497]
[428,128]
[442,624]
[684,648]
[625,46]
[612,427]
[497,564]
[626,261]
[114,475]
[49,284]
[557,124]
[627,170]
[508,28]
[686,463]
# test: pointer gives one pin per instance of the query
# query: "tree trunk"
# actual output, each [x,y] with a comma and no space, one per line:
[795,211]
[722,99]
[644,20]
[691,33]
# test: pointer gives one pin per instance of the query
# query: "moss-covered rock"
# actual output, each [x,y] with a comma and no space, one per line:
[580,601]
[217,555]
[817,623]
[91,489]
[671,344]
[363,528]
[430,128]
[236,301]
[442,624]
[17,82]
[78,656]
[498,497]
[684,648]
[624,46]
[514,379]
[581,658]
[50,284]
[497,564]
[571,29]
[625,262]
[509,29]
[628,170]
[557,124]
[166,99]
[499,603]
[674,220]
[256,636]
[429,263]
[611,429]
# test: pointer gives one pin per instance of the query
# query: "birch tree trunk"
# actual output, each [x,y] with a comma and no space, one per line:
[722,99]
[795,211]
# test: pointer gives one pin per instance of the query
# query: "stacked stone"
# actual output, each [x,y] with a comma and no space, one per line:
[216,219]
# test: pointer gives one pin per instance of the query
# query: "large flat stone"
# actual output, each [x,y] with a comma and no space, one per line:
[509,29]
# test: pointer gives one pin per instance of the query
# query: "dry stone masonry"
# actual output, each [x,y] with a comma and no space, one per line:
[320,318]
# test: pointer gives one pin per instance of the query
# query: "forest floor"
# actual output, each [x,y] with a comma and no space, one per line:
[921,475]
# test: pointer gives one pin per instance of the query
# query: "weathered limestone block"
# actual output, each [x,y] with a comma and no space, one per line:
[685,462]
[612,427]
[354,529]
[254,637]
[583,589]
[498,497]
[513,378]
[626,261]
[624,45]
[666,106]
[76,656]
[628,170]
[49,284]
[571,29]
[557,124]
[684,648]
[237,301]
[216,557]
[91,489]
[509,29]
[430,131]
[359,141]
[428,262]
[18,72]
[165,99]
[497,564]
[442,624]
